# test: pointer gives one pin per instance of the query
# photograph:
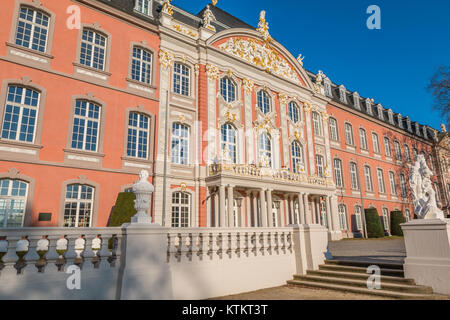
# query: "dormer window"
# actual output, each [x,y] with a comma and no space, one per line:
[342,94]
[425,133]
[391,116]
[400,120]
[408,124]
[369,106]
[327,87]
[144,7]
[356,101]
[417,128]
[380,111]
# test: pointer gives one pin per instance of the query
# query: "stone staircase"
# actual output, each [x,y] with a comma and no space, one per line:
[351,276]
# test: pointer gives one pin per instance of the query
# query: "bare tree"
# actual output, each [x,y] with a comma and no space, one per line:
[439,88]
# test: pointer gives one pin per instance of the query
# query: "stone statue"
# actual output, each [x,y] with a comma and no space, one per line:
[167,7]
[319,77]
[143,191]
[424,196]
[263,27]
[443,128]
[208,17]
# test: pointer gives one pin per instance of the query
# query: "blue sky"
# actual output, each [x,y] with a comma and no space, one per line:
[393,65]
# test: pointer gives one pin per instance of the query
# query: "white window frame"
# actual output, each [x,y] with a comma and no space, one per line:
[349,134]
[342,211]
[78,202]
[387,147]
[142,65]
[145,7]
[294,112]
[403,186]
[368,178]
[87,119]
[334,133]
[376,143]
[358,218]
[297,157]
[386,219]
[179,76]
[317,124]
[186,206]
[228,89]
[34,25]
[354,176]
[381,184]
[264,101]
[398,150]
[265,148]
[320,162]
[225,131]
[9,199]
[178,139]
[363,139]
[407,153]
[338,173]
[139,131]
[392,183]
[94,46]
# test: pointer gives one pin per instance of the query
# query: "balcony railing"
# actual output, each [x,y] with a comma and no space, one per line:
[282,175]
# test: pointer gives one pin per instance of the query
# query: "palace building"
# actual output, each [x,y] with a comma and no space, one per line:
[231,127]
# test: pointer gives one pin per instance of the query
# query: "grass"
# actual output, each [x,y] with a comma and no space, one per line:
[383,238]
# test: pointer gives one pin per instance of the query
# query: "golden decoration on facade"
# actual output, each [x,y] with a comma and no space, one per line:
[231,117]
[166,58]
[300,59]
[212,72]
[214,2]
[284,98]
[183,186]
[262,56]
[184,31]
[167,7]
[263,27]
[248,85]
[307,106]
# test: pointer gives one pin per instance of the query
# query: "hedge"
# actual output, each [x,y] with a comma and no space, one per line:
[397,218]
[373,223]
[123,209]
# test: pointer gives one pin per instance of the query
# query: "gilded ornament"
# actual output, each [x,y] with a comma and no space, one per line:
[166,58]
[167,7]
[212,72]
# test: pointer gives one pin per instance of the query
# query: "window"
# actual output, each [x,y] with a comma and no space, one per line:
[334,135]
[392,183]
[93,49]
[338,175]
[228,134]
[317,124]
[407,215]
[415,152]
[376,144]
[349,134]
[430,157]
[342,210]
[297,157]
[368,179]
[403,186]
[265,150]
[228,89]
[13,200]
[320,165]
[21,110]
[354,176]
[181,78]
[263,102]
[138,133]
[181,207]
[407,154]
[78,205]
[144,6]
[386,219]
[363,139]
[180,144]
[381,185]
[398,150]
[86,123]
[358,219]
[327,87]
[387,147]
[32,29]
[294,112]
[141,66]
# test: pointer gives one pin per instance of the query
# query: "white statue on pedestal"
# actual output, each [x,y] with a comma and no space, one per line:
[143,191]
[424,196]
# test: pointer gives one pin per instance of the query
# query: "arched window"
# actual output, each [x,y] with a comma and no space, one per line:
[229,142]
[338,175]
[407,154]
[297,157]
[181,209]
[32,29]
[228,89]
[407,215]
[334,134]
[144,6]
[294,112]
[20,116]
[386,219]
[13,200]
[180,144]
[320,165]
[358,218]
[86,126]
[265,150]
[387,147]
[93,49]
[380,177]
[141,65]
[263,101]
[181,79]
[78,206]
[342,210]
[349,134]
[403,186]
[368,178]
[138,133]
[376,143]
[317,125]
[354,176]
[363,139]
[398,150]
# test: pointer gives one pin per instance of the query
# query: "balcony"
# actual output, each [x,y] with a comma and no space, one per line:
[281,175]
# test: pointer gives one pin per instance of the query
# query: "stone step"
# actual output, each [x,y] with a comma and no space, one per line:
[363,283]
[380,293]
[365,264]
[384,272]
[358,276]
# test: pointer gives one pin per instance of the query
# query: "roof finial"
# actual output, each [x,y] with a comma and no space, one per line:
[263,27]
[214,2]
[443,128]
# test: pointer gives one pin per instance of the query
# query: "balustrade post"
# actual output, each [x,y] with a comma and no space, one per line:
[104,252]
[10,258]
[32,257]
[52,255]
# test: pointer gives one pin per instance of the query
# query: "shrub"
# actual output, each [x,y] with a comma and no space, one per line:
[373,223]
[123,209]
[397,218]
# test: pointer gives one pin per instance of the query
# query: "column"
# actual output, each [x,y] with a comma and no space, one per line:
[301,208]
[263,206]
[313,210]
[334,213]
[329,220]
[269,209]
[318,211]
[248,208]
[208,208]
[255,209]
[291,210]
[230,207]
[222,206]
[216,210]
[309,135]
[286,211]
[307,209]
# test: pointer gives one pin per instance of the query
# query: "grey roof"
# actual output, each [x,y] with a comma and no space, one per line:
[128,7]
